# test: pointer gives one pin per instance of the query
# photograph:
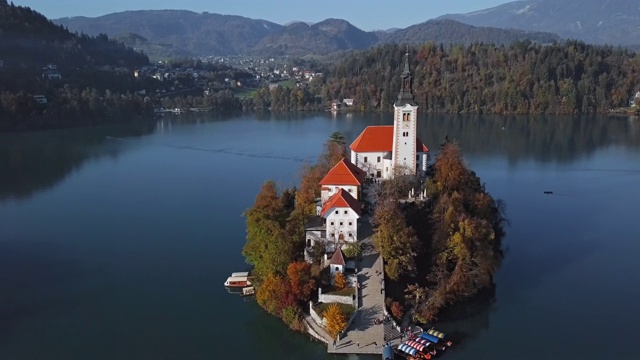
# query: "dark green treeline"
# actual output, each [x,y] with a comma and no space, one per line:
[524,78]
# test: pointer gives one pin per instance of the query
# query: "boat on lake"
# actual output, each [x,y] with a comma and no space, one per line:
[435,337]
[238,280]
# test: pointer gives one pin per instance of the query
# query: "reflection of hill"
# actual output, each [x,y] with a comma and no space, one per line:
[561,139]
[36,161]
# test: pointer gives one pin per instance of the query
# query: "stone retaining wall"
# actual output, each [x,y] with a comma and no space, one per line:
[341,299]
[319,320]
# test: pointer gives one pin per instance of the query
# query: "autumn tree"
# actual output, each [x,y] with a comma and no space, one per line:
[397,310]
[336,320]
[394,239]
[334,150]
[301,281]
[468,226]
[270,247]
[353,249]
[274,294]
[309,189]
[399,186]
[340,281]
[292,316]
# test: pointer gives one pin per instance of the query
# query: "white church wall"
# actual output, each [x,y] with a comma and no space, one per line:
[370,162]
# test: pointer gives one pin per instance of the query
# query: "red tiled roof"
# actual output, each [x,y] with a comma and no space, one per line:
[374,139]
[338,258]
[341,199]
[420,147]
[344,173]
[379,139]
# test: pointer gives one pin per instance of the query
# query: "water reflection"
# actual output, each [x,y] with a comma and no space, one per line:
[542,138]
[31,162]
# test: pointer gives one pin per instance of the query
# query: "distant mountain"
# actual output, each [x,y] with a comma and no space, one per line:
[194,33]
[180,32]
[325,37]
[297,21]
[449,31]
[157,51]
[615,22]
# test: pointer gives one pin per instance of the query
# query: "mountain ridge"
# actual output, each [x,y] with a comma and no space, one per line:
[199,34]
[613,22]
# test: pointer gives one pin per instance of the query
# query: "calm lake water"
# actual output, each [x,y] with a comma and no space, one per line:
[115,241]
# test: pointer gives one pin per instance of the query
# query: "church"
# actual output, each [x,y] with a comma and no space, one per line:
[379,152]
[385,151]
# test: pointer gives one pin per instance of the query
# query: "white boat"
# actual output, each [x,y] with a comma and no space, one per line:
[239,279]
[248,291]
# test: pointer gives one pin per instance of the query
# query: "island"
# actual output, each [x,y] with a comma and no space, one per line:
[374,244]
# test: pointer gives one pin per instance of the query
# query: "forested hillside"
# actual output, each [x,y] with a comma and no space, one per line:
[454,32]
[80,77]
[525,77]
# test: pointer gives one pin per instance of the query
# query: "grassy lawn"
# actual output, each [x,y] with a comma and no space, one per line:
[243,92]
[346,309]
[349,291]
[291,84]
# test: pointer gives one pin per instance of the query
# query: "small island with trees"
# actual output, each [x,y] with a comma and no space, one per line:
[367,247]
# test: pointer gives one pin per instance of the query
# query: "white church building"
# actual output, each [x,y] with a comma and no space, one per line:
[384,151]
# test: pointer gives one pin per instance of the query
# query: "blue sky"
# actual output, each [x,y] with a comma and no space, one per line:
[365,14]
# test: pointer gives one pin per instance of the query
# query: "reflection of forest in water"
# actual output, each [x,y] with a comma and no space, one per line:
[31,162]
[541,138]
[35,161]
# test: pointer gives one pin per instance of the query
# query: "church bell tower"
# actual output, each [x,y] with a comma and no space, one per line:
[405,125]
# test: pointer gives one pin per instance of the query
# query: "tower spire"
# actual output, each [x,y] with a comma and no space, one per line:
[406,90]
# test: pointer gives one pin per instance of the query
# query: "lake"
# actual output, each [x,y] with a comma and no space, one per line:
[115,241]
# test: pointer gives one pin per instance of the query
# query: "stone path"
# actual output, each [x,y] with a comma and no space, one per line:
[318,331]
[364,336]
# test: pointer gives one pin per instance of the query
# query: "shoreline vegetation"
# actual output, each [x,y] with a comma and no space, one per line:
[438,253]
[52,78]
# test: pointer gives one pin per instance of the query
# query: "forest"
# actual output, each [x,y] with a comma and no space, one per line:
[91,77]
[523,78]
[442,251]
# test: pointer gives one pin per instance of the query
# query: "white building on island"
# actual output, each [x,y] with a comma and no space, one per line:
[384,151]
[341,213]
[337,223]
[345,175]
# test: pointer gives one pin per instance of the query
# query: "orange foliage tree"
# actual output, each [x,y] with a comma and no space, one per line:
[274,294]
[397,310]
[336,320]
[335,149]
[309,189]
[301,281]
[340,281]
